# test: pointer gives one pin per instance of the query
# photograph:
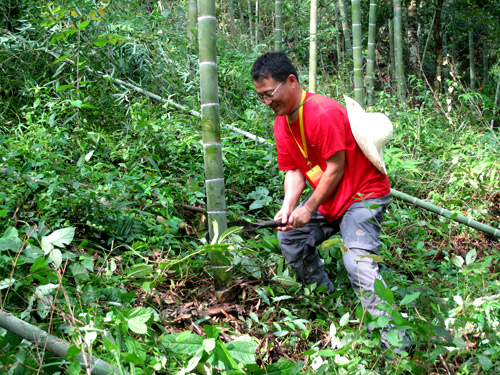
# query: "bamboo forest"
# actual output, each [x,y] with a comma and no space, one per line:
[141,179]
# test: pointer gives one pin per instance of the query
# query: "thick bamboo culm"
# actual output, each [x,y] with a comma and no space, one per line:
[448,214]
[51,343]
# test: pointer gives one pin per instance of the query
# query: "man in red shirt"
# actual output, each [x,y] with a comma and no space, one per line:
[315,144]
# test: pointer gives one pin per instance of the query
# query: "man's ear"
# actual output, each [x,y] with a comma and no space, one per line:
[292,80]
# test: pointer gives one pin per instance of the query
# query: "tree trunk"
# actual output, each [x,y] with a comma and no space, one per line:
[398,49]
[370,54]
[438,41]
[340,57]
[472,67]
[231,16]
[212,148]
[345,28]
[392,66]
[413,38]
[192,12]
[278,26]
[486,54]
[249,5]
[357,52]
[313,50]
[257,22]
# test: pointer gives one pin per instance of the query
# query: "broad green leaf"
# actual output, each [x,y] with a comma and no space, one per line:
[137,319]
[282,367]
[6,283]
[10,240]
[459,343]
[243,349]
[187,343]
[73,352]
[44,290]
[139,270]
[471,256]
[46,245]
[394,338]
[192,363]
[256,205]
[101,42]
[208,345]
[458,261]
[62,236]
[39,266]
[89,155]
[388,295]
[79,272]
[327,353]
[212,332]
[409,298]
[383,321]
[56,257]
[3,213]
[379,288]
[84,24]
[76,103]
[221,354]
[485,362]
[344,320]
[376,258]
[286,280]
[75,368]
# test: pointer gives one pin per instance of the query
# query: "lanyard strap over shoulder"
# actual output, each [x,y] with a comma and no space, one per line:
[302,132]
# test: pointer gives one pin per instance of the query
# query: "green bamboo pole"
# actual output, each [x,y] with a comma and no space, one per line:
[472,66]
[192,13]
[392,66]
[53,344]
[212,148]
[495,103]
[278,26]
[345,27]
[398,48]
[257,22]
[250,28]
[370,54]
[313,49]
[357,52]
[448,214]
[340,57]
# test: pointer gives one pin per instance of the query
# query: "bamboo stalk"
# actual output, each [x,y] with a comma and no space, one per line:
[51,343]
[448,214]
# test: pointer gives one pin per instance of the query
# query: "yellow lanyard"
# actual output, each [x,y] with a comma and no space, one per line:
[301,121]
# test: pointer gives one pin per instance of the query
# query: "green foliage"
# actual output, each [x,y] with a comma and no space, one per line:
[99,237]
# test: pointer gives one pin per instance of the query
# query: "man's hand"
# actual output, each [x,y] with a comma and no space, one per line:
[283,216]
[300,217]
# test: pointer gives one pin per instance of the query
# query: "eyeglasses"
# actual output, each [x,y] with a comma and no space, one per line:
[269,96]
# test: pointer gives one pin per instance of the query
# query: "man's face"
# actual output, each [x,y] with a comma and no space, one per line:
[274,94]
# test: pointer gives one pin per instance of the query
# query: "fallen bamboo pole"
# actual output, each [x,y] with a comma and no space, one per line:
[448,214]
[51,343]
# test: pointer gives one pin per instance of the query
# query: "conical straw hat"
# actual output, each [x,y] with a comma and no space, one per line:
[372,132]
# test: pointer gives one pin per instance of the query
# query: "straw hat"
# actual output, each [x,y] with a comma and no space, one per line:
[372,132]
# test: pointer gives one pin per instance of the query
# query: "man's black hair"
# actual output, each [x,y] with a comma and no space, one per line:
[274,65]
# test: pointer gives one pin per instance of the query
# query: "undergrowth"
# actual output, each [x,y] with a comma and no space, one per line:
[102,217]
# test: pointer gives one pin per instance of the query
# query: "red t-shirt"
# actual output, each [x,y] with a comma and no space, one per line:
[327,131]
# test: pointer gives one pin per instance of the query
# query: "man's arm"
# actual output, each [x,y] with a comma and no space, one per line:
[295,184]
[327,185]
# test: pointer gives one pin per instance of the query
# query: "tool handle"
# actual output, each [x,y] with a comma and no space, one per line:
[268,224]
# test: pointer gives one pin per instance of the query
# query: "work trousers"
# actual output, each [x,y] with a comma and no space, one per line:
[360,229]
